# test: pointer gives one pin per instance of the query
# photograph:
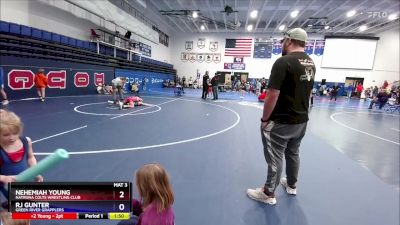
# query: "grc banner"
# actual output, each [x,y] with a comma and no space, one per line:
[146,80]
[64,78]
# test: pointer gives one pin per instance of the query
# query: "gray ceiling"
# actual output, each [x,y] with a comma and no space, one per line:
[273,13]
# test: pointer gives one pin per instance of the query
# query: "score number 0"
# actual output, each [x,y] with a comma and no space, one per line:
[121,206]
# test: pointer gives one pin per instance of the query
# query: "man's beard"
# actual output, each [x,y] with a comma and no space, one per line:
[284,52]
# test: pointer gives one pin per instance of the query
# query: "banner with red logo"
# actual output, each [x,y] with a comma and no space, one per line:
[64,78]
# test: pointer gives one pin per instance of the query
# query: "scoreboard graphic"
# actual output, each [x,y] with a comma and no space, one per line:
[262,48]
[70,201]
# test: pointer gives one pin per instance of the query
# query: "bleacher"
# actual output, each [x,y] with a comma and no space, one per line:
[24,41]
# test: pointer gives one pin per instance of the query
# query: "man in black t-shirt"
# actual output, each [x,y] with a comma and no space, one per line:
[285,115]
[205,85]
[334,92]
[214,84]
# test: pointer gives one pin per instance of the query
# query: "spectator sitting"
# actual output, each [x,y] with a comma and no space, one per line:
[195,84]
[382,98]
[100,89]
[367,93]
[166,83]
[247,86]
[107,89]
[135,88]
[190,82]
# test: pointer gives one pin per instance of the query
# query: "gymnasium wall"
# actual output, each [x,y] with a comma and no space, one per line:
[386,66]
[256,68]
[65,78]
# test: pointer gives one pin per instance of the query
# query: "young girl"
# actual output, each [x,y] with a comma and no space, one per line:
[262,96]
[242,90]
[16,154]
[156,196]
[41,84]
[209,89]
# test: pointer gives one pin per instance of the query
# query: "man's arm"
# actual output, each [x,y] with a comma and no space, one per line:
[269,103]
[278,75]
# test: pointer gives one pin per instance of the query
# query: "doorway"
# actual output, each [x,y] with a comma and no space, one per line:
[241,76]
[353,81]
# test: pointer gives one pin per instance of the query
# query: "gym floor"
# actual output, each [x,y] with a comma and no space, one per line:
[349,171]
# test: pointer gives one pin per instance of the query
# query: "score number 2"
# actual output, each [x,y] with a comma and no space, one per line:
[121,206]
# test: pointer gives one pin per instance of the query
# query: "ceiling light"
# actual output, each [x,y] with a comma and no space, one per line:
[351,13]
[194,14]
[326,27]
[309,25]
[294,13]
[363,28]
[250,27]
[282,27]
[202,27]
[254,14]
[392,16]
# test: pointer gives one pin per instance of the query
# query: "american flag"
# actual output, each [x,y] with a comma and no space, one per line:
[238,47]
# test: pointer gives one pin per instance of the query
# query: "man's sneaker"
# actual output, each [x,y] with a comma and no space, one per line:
[289,190]
[5,102]
[259,195]
[120,104]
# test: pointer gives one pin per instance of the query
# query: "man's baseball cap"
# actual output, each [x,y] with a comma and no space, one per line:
[296,34]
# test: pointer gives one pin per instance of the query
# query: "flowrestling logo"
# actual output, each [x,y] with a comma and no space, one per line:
[139,80]
[25,79]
